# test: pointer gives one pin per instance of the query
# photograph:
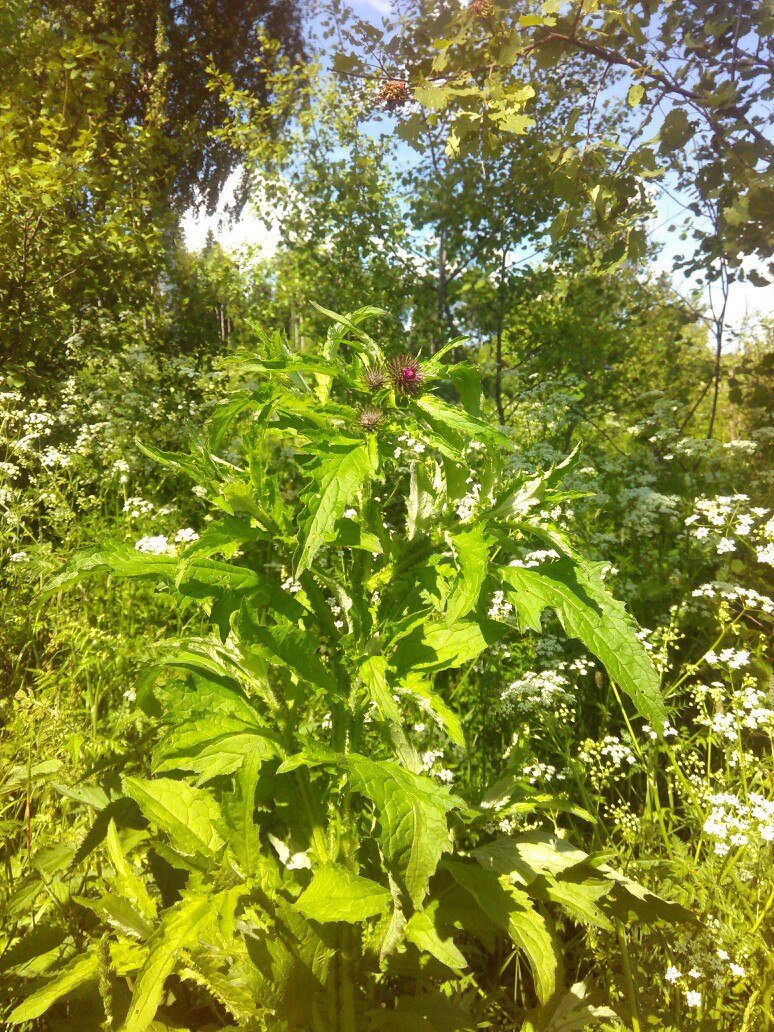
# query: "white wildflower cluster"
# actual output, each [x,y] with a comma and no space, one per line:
[733,709]
[18,557]
[625,822]
[546,690]
[198,491]
[499,608]
[408,444]
[734,659]
[735,822]
[581,665]
[290,584]
[702,962]
[137,507]
[606,761]
[52,457]
[645,511]
[431,764]
[467,505]
[186,536]
[536,558]
[724,523]
[336,612]
[747,597]
[539,773]
[154,545]
[667,731]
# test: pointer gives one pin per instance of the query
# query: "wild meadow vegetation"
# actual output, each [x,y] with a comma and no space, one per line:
[386,614]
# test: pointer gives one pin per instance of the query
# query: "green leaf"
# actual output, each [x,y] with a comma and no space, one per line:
[179,928]
[412,816]
[431,703]
[455,426]
[337,477]
[238,814]
[187,815]
[422,932]
[432,97]
[587,611]
[296,650]
[441,647]
[79,970]
[336,894]
[568,1011]
[421,502]
[373,671]
[509,909]
[676,130]
[472,554]
[635,94]
[530,931]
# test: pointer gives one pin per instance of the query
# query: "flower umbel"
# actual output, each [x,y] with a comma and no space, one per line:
[406,374]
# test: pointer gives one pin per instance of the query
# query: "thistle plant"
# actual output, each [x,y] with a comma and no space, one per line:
[324,878]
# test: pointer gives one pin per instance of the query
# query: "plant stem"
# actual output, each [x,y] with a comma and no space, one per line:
[631,991]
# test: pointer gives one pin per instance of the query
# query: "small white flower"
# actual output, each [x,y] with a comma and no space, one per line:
[692,998]
[155,545]
[672,974]
[185,536]
[737,969]
[350,514]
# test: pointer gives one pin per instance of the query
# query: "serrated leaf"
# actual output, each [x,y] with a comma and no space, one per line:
[412,812]
[187,815]
[337,477]
[179,928]
[472,554]
[76,973]
[296,650]
[587,611]
[336,894]
[511,910]
[455,426]
[435,646]
[421,931]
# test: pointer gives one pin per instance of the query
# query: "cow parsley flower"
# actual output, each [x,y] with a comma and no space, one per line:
[155,545]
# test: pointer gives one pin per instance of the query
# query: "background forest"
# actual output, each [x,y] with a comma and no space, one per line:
[322,701]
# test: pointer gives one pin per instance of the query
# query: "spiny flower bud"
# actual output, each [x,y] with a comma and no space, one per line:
[483,8]
[375,377]
[406,374]
[394,93]
[370,419]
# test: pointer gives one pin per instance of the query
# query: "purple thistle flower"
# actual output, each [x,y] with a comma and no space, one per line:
[406,374]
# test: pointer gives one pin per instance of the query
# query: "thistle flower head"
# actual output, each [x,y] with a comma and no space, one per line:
[370,419]
[406,374]
[394,93]
[375,377]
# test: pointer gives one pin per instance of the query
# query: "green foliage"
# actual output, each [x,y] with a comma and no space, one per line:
[356,830]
